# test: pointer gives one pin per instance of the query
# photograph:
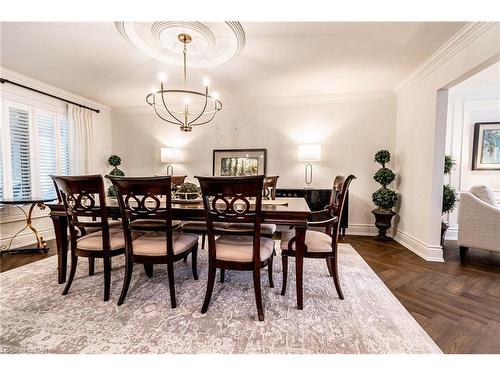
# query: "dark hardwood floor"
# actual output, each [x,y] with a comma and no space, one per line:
[458,306]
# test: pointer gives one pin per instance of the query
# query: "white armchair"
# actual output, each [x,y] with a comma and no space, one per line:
[478,221]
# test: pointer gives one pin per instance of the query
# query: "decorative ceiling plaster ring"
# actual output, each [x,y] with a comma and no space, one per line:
[158,27]
[454,45]
[234,37]
[358,96]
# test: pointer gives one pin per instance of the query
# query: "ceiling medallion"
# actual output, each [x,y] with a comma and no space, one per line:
[213,43]
[198,108]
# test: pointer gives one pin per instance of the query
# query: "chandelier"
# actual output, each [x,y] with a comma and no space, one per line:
[184,107]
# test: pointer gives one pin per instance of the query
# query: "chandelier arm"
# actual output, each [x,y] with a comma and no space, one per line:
[206,122]
[164,119]
[179,122]
[201,113]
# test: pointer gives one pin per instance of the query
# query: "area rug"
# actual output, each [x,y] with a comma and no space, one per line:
[36,318]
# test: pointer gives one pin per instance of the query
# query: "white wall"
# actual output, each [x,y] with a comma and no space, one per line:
[11,219]
[467,105]
[350,133]
[420,134]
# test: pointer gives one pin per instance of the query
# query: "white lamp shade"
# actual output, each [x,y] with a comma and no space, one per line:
[309,152]
[170,155]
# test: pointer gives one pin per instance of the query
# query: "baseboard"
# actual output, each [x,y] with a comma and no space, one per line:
[452,234]
[28,238]
[427,252]
[361,230]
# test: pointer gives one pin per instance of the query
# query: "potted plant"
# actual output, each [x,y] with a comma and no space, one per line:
[188,191]
[449,196]
[114,161]
[384,198]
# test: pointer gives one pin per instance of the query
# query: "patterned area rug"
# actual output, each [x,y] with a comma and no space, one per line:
[36,318]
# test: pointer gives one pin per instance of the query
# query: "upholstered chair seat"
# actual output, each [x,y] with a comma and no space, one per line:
[239,248]
[316,242]
[155,244]
[265,229]
[93,241]
[146,225]
[202,226]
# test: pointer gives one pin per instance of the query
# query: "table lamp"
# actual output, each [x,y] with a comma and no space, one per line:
[309,152]
[170,155]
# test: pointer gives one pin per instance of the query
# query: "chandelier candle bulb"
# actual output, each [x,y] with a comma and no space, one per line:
[162,77]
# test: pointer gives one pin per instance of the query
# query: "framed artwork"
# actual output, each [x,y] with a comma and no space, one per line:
[486,146]
[239,162]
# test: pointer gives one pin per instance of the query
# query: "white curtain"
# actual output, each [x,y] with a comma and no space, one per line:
[81,133]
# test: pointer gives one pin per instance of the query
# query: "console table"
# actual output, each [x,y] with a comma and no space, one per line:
[318,199]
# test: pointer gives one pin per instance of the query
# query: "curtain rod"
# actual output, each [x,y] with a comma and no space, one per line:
[2,80]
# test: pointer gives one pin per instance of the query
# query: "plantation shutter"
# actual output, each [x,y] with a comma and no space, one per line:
[46,153]
[20,152]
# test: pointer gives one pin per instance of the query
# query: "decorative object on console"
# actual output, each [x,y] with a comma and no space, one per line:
[114,161]
[449,196]
[239,162]
[198,107]
[486,146]
[309,152]
[170,155]
[384,198]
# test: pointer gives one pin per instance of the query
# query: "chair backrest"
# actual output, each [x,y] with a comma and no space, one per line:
[83,197]
[270,183]
[144,198]
[227,199]
[177,181]
[337,199]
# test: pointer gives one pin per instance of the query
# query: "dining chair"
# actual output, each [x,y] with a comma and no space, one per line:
[321,244]
[177,181]
[139,199]
[226,200]
[91,235]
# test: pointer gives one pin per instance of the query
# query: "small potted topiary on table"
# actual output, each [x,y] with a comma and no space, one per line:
[384,198]
[449,196]
[114,161]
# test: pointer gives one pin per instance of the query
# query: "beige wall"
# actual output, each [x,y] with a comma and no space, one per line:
[420,140]
[350,133]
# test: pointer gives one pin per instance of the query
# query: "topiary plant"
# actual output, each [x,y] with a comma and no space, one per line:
[114,161]
[449,193]
[384,198]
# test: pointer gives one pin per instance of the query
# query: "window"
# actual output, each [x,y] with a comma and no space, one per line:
[34,145]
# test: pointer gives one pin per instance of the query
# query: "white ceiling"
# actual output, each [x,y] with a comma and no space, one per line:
[280,59]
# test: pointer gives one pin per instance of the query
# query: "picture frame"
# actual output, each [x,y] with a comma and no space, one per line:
[486,146]
[239,162]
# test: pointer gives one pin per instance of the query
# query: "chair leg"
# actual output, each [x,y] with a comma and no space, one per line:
[148,268]
[210,287]
[463,254]
[203,236]
[91,266]
[258,294]
[129,266]
[284,259]
[194,262]
[107,277]
[171,283]
[329,266]
[185,258]
[335,271]
[222,275]
[270,272]
[74,262]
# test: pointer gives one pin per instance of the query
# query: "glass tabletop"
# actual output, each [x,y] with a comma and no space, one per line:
[29,200]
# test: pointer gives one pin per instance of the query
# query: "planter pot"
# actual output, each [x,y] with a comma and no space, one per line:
[444,228]
[383,223]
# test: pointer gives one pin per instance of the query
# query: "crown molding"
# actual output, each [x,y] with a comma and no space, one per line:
[358,96]
[454,45]
[42,86]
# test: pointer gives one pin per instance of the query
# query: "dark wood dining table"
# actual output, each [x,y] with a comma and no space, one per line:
[295,212]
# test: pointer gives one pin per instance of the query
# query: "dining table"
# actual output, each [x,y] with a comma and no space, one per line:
[290,212]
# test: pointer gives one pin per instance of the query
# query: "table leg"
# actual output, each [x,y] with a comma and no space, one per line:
[300,237]
[61,231]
